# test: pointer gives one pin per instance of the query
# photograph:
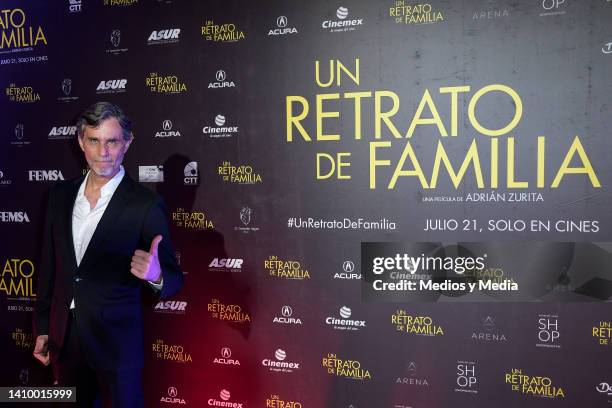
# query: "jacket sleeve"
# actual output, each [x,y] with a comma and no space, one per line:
[156,223]
[46,274]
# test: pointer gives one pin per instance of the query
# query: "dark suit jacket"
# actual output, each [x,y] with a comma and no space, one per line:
[106,294]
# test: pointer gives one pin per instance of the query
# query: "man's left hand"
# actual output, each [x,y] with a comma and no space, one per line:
[145,265]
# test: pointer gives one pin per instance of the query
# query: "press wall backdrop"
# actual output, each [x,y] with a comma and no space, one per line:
[314,157]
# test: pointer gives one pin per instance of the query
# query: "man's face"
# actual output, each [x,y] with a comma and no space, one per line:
[104,147]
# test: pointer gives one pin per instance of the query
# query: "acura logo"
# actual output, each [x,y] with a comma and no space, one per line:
[172,392]
[348,266]
[226,352]
[281,21]
[220,75]
[167,125]
[286,311]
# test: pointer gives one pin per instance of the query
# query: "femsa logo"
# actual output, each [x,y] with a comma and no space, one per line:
[45,175]
[113,84]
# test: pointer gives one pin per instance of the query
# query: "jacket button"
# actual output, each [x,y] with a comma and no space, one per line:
[77,279]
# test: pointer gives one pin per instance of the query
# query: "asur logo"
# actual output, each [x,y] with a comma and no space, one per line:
[342,13]
[164,36]
[112,86]
[219,120]
[607,49]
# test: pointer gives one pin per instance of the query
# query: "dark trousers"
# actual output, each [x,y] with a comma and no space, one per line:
[96,389]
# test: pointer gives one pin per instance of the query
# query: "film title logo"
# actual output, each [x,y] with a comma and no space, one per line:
[225,396]
[345,322]
[21,94]
[345,368]
[281,23]
[279,364]
[168,84]
[221,32]
[226,265]
[112,86]
[164,36]
[286,317]
[466,377]
[173,397]
[414,13]
[242,174]
[15,33]
[486,171]
[603,333]
[342,24]
[171,306]
[194,220]
[228,313]
[418,325]
[489,332]
[16,278]
[170,352]
[120,2]
[533,385]
[413,378]
[225,359]
[287,269]
[548,331]
[275,401]
[23,339]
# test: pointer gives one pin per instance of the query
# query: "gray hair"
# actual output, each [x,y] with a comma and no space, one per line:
[100,111]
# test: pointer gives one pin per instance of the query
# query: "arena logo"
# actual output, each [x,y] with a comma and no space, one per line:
[287,317]
[287,269]
[491,13]
[16,279]
[166,36]
[171,307]
[553,8]
[548,331]
[14,216]
[225,396]
[413,378]
[167,130]
[226,265]
[22,339]
[4,181]
[275,401]
[342,24]
[173,397]
[279,364]
[115,40]
[21,94]
[18,35]
[193,220]
[74,6]
[191,174]
[62,132]
[349,272]
[225,359]
[112,86]
[221,32]
[489,332]
[607,49]
[221,81]
[538,385]
[19,135]
[229,313]
[66,87]
[170,352]
[45,175]
[220,130]
[345,323]
[414,13]
[603,332]
[466,377]
[246,217]
[418,325]
[165,84]
[281,23]
[241,174]
[345,368]
[120,2]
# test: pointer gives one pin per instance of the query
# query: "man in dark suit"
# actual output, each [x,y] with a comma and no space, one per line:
[105,238]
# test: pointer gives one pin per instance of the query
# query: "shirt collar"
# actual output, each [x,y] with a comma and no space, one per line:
[108,189]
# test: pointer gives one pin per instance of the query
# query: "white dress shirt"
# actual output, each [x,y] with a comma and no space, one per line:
[85,219]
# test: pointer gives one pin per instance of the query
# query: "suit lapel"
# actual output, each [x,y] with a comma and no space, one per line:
[116,205]
[69,207]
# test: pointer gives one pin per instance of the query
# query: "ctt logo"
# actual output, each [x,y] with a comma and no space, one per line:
[164,36]
[548,331]
[281,23]
[287,317]
[45,175]
[112,86]
[342,24]
[225,359]
[191,174]
[604,388]
[167,130]
[74,6]
[221,81]
[14,216]
[173,397]
[607,49]
[466,377]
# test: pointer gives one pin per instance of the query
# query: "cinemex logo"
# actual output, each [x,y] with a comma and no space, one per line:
[14,216]
[167,130]
[164,36]
[281,23]
[344,322]
[342,24]
[279,364]
[74,6]
[221,129]
[62,132]
[225,401]
[225,359]
[221,81]
[226,265]
[112,86]
[287,317]
[151,174]
[191,174]
[173,397]
[45,175]
[171,306]
[349,271]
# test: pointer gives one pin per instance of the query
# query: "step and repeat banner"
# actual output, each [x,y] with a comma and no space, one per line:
[374,203]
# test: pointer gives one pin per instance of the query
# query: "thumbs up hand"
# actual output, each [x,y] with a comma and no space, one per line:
[145,265]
